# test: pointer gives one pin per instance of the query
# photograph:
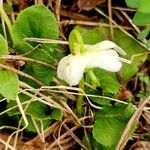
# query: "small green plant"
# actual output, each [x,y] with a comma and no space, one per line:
[93,62]
[145,89]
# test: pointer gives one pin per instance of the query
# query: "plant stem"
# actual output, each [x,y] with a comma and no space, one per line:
[94,79]
[79,102]
[7,20]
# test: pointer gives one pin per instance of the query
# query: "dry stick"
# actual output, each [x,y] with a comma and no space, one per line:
[59,132]
[23,117]
[57,8]
[143,45]
[110,18]
[135,117]
[124,9]
[74,137]
[133,25]
[90,23]
[47,132]
[19,57]
[130,21]
[19,124]
[83,93]
[53,102]
[21,73]
[62,137]
[68,95]
[6,144]
[50,41]
[27,76]
[30,77]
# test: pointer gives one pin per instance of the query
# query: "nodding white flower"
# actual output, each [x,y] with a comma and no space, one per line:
[102,55]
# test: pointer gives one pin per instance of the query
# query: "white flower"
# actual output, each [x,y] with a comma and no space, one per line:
[101,55]
[71,69]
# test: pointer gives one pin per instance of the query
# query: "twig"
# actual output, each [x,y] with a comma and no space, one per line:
[110,18]
[135,117]
[90,23]
[119,27]
[50,41]
[19,57]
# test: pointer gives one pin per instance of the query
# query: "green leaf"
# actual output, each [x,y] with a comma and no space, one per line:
[31,126]
[110,123]
[148,44]
[133,49]
[143,34]
[141,18]
[3,48]
[144,6]
[9,84]
[107,80]
[133,3]
[40,111]
[37,22]
[36,109]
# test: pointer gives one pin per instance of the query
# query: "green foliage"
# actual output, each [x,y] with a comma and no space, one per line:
[143,34]
[41,124]
[3,48]
[148,44]
[110,123]
[133,3]
[144,7]
[144,92]
[9,84]
[36,110]
[107,80]
[141,18]
[36,22]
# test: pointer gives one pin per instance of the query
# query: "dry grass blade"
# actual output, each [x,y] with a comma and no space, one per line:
[119,27]
[50,41]
[90,23]
[135,117]
[19,57]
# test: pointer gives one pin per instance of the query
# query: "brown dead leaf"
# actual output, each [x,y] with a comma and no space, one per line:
[89,4]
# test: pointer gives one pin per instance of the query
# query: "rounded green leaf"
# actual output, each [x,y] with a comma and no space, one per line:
[36,21]
[110,123]
[9,84]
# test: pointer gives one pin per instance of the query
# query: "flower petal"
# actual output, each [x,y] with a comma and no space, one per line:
[104,45]
[71,69]
[106,59]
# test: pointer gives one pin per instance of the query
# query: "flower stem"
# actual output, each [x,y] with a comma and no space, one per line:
[79,109]
[94,79]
